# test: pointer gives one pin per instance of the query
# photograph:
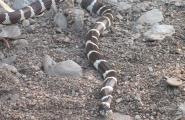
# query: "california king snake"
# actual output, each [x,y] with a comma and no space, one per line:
[92,49]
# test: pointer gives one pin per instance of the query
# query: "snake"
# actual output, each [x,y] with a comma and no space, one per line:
[93,54]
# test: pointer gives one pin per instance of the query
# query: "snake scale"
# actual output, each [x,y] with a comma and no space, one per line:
[92,36]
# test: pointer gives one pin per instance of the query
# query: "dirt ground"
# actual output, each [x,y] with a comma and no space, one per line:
[142,66]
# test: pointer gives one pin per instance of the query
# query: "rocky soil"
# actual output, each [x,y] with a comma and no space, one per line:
[45,75]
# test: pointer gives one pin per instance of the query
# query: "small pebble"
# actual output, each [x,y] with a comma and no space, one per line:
[25,23]
[138,117]
[119,100]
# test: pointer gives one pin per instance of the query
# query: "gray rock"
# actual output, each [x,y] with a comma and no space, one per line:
[112,1]
[142,6]
[123,6]
[174,81]
[65,68]
[30,28]
[7,67]
[21,43]
[61,50]
[48,64]
[11,31]
[68,68]
[1,55]
[79,19]
[78,1]
[159,32]
[139,28]
[119,100]
[181,108]
[21,3]
[150,69]
[151,17]
[137,117]
[25,23]
[9,60]
[60,21]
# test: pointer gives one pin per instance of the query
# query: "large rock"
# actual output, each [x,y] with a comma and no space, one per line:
[21,43]
[48,64]
[78,19]
[60,21]
[123,6]
[22,3]
[159,32]
[7,67]
[68,68]
[151,17]
[11,31]
[9,60]
[65,68]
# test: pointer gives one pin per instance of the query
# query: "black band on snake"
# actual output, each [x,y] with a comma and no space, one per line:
[92,49]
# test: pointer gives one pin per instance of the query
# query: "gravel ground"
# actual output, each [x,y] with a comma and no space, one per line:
[142,65]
